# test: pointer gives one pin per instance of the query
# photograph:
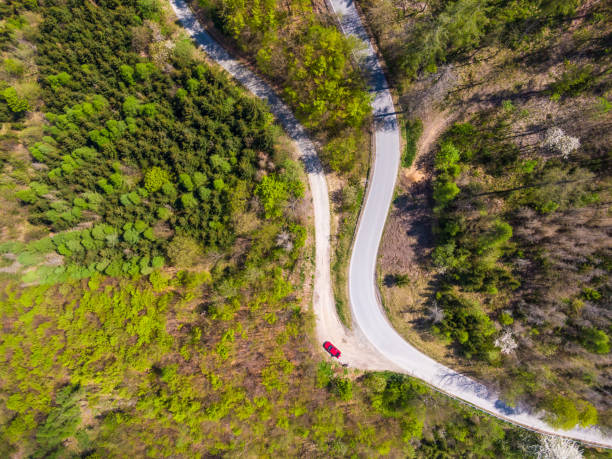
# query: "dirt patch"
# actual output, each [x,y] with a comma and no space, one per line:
[408,240]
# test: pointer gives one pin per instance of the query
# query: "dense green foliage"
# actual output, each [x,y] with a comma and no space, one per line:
[134,367]
[419,37]
[112,114]
[311,59]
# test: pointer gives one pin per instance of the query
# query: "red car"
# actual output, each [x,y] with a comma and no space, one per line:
[333,350]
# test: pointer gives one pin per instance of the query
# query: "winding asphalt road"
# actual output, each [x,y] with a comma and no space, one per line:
[374,344]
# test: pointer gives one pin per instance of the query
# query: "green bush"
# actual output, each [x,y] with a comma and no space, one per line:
[575,80]
[127,73]
[564,413]
[28,196]
[155,178]
[595,340]
[13,67]
[506,319]
[15,103]
[413,131]
[342,387]
[325,374]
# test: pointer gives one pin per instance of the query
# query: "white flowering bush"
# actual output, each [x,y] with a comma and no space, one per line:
[506,343]
[558,141]
[557,448]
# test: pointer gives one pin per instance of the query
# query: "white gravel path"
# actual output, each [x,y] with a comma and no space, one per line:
[374,344]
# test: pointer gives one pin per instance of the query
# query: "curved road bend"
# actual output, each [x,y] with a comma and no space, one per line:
[365,301]
[373,328]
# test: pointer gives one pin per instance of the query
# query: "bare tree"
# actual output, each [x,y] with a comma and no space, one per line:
[436,313]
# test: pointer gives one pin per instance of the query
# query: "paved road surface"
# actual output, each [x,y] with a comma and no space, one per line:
[374,344]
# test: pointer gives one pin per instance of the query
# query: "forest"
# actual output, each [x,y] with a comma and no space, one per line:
[515,282]
[297,47]
[156,262]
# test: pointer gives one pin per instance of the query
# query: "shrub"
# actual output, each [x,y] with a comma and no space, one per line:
[401,280]
[28,196]
[595,340]
[342,387]
[564,413]
[325,373]
[13,67]
[575,80]
[14,102]
[506,319]
[413,130]
[183,52]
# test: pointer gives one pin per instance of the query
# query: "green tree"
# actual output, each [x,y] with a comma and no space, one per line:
[445,192]
[184,251]
[273,194]
[564,413]
[155,178]
[15,103]
[339,153]
[61,422]
[186,182]
[188,201]
[127,73]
